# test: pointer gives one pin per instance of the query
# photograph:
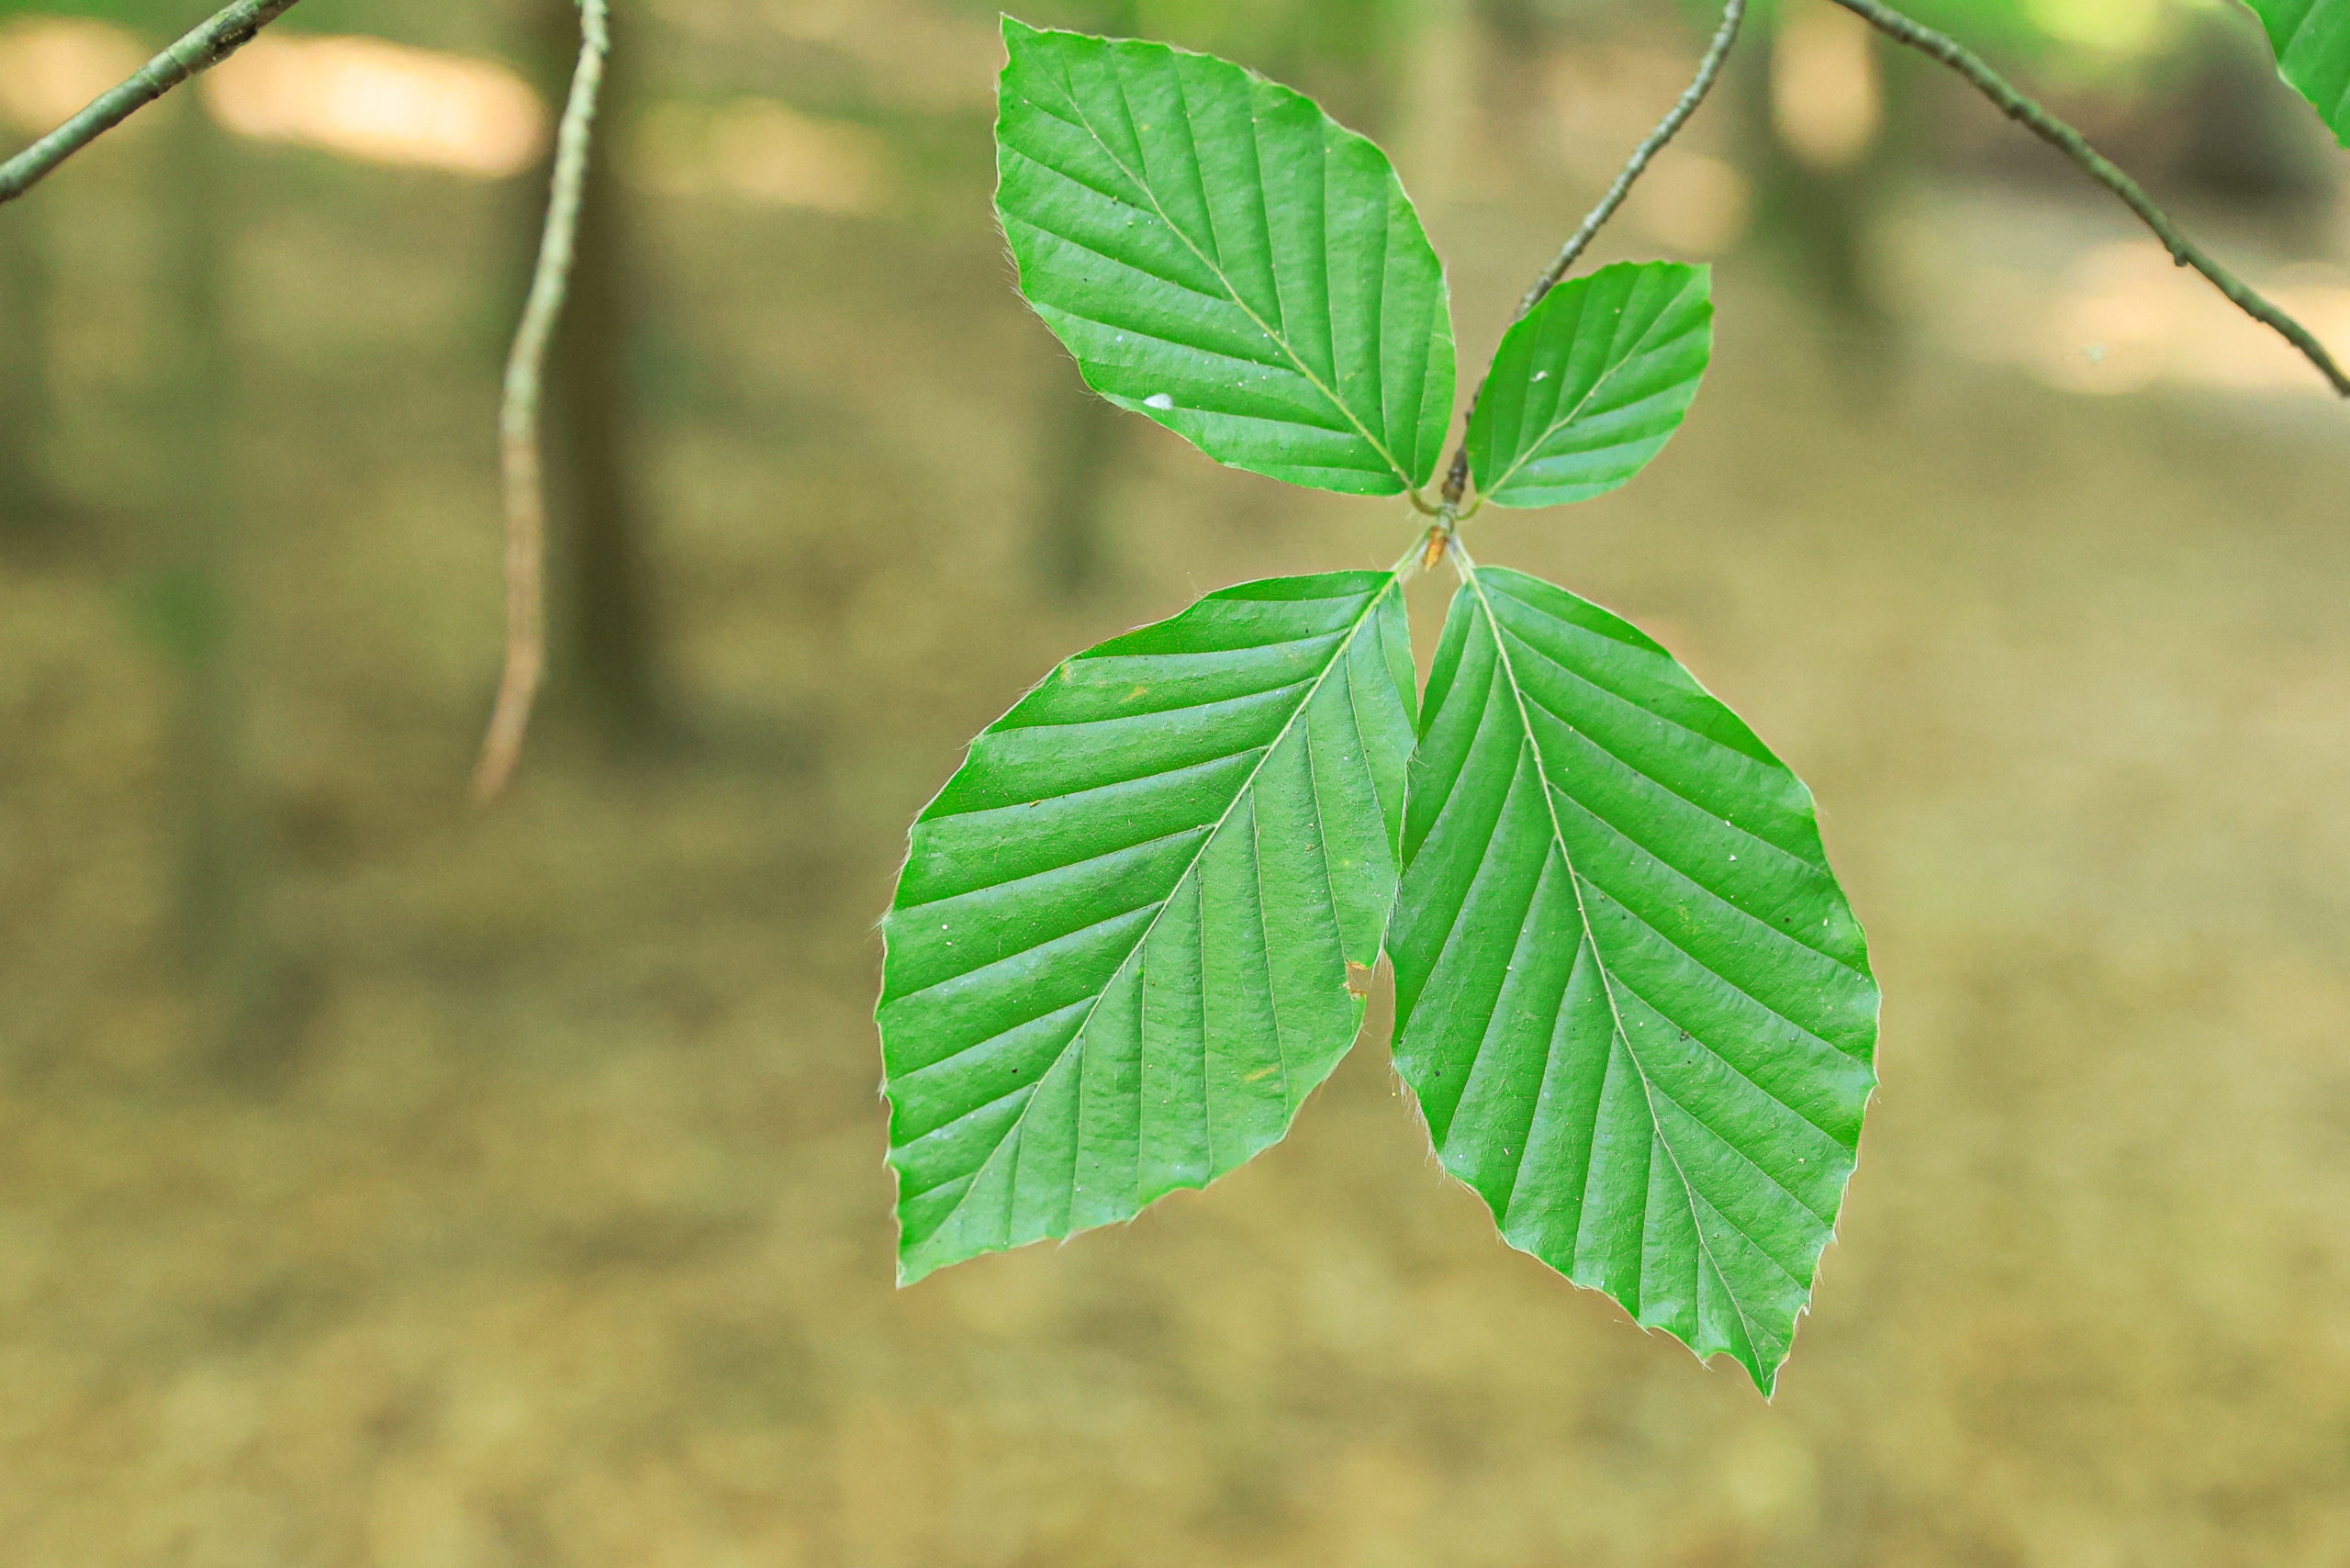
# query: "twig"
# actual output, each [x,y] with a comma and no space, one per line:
[1667,129]
[518,422]
[1456,479]
[2062,136]
[208,46]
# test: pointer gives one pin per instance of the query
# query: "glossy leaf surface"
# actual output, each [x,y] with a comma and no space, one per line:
[2312,42]
[1632,1001]
[1591,384]
[1117,959]
[1224,258]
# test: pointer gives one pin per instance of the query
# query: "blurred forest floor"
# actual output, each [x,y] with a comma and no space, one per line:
[511,1193]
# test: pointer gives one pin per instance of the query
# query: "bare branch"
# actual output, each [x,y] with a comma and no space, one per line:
[518,424]
[2064,139]
[208,46]
[1456,478]
[1667,129]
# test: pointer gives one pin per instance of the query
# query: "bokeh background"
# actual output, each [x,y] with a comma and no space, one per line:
[390,1184]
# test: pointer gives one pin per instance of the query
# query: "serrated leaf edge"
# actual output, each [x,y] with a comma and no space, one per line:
[1765,1381]
[1639,346]
[1143,184]
[1338,654]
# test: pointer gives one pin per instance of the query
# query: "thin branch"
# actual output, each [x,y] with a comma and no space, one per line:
[208,46]
[2068,141]
[518,424]
[1456,478]
[1667,129]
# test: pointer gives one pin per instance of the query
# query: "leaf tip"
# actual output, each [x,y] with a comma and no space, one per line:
[913,1265]
[1764,1378]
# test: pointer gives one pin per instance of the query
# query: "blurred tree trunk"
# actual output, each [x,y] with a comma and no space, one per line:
[602,611]
[1079,435]
[27,509]
[1082,438]
[1431,60]
[190,565]
[1818,222]
[1817,218]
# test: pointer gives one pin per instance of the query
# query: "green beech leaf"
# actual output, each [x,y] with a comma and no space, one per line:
[1633,1003]
[1591,383]
[1117,959]
[1224,257]
[2312,43]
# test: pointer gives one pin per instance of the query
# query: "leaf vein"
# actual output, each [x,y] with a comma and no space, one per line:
[1598,959]
[1376,444]
[1136,954]
[1562,420]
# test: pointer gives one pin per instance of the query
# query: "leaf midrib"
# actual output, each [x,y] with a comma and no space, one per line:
[1599,960]
[1076,1037]
[1277,339]
[1575,413]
